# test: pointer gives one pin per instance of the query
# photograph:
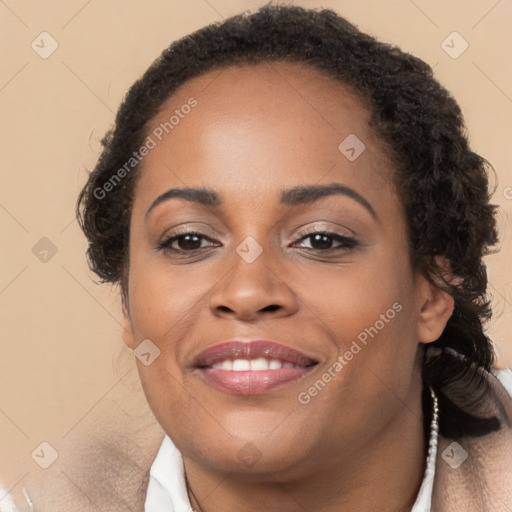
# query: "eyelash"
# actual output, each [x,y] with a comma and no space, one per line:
[347,242]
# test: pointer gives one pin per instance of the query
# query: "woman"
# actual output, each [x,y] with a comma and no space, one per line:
[297,225]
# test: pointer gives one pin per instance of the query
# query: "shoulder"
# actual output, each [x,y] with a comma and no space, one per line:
[102,464]
[6,500]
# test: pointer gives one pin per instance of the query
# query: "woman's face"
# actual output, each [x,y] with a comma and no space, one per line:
[344,309]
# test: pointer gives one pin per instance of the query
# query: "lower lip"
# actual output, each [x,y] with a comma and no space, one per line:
[252,382]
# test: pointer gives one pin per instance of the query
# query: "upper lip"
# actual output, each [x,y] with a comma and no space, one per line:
[251,349]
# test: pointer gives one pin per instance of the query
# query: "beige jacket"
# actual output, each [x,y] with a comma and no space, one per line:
[104,465]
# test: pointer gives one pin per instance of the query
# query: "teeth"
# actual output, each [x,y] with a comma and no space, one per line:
[226,365]
[259,364]
[241,365]
[275,364]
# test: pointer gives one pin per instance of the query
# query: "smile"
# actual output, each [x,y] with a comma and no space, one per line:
[259,364]
[250,368]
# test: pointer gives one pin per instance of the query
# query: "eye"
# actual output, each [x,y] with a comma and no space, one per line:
[188,241]
[323,241]
[192,242]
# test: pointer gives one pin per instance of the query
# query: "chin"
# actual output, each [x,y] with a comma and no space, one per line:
[247,457]
[246,452]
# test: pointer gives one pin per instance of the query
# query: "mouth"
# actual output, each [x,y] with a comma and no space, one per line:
[252,367]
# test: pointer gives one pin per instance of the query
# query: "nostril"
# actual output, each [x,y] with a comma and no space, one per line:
[272,307]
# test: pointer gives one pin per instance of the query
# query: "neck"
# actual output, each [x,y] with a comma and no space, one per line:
[384,475]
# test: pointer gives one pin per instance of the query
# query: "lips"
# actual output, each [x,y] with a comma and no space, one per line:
[252,367]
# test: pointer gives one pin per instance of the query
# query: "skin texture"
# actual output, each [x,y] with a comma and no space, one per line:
[359,444]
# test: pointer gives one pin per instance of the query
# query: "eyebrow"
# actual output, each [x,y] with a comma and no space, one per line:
[299,195]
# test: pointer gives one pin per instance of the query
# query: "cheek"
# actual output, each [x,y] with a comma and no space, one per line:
[368,310]
[163,299]
[163,311]
[350,300]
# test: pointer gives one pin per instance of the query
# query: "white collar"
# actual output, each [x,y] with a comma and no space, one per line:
[167,488]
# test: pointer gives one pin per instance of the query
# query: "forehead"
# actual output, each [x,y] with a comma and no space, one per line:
[257,127]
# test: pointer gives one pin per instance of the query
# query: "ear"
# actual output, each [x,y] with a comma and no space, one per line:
[434,308]
[128,336]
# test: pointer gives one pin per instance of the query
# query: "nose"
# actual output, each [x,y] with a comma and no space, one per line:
[254,290]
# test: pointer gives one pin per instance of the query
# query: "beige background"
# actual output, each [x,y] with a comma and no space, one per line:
[62,364]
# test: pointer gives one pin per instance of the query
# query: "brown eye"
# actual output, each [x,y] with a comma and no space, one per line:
[183,242]
[321,241]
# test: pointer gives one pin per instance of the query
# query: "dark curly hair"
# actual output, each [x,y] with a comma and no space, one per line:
[442,183]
